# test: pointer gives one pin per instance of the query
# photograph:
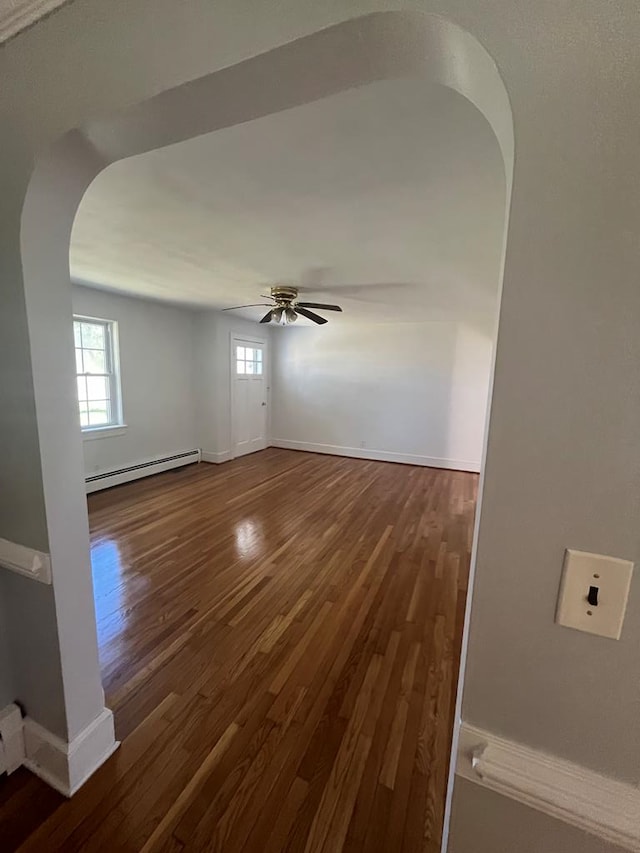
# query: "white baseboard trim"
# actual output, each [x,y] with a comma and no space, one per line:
[143,468]
[378,455]
[67,766]
[215,458]
[569,792]
[25,561]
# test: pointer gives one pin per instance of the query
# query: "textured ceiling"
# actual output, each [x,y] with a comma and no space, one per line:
[388,198]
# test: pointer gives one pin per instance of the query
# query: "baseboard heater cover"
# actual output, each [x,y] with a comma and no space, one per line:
[114,477]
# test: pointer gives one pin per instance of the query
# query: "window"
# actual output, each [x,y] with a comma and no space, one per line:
[248,361]
[97,373]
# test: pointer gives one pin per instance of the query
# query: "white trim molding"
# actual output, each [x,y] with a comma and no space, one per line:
[588,800]
[215,458]
[378,455]
[24,13]
[25,561]
[113,431]
[67,766]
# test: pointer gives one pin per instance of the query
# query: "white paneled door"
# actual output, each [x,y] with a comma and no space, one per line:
[248,396]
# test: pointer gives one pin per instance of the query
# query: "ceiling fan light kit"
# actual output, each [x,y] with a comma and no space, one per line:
[287,309]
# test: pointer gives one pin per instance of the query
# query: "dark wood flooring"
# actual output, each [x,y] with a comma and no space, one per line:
[279,640]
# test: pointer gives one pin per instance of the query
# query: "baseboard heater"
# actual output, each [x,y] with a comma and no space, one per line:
[115,477]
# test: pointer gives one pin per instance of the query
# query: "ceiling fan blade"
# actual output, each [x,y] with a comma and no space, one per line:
[319,305]
[267,317]
[252,305]
[311,316]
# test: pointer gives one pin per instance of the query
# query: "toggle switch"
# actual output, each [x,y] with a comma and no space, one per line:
[593,593]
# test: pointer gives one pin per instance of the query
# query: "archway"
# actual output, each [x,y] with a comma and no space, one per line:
[373,47]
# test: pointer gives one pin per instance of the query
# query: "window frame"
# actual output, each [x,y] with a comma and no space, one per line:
[112,375]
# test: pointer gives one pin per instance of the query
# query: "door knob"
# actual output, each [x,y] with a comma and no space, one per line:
[264,404]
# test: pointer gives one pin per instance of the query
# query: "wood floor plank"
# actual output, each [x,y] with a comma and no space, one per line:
[394,744]
[171,816]
[276,839]
[279,641]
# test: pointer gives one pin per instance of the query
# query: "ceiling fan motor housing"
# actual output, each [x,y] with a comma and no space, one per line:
[284,294]
[287,308]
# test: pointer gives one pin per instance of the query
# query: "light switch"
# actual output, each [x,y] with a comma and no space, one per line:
[593,593]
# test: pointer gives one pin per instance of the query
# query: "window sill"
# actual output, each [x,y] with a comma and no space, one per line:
[103,432]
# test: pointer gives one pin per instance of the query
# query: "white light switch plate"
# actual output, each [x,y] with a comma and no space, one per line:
[612,579]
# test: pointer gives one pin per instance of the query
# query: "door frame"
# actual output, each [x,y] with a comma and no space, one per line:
[238,337]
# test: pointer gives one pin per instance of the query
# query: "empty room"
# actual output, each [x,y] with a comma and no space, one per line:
[283,339]
[317,361]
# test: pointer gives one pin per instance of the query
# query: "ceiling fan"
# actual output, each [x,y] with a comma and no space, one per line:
[286,307]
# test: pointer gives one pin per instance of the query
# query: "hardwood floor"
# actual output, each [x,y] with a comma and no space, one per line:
[279,640]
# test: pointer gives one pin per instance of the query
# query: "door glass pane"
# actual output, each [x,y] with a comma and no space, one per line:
[97,388]
[240,367]
[240,353]
[259,352]
[250,365]
[259,368]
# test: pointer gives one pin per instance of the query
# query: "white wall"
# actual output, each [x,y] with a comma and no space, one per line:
[485,822]
[417,391]
[414,392]
[175,374]
[7,680]
[158,389]
[213,332]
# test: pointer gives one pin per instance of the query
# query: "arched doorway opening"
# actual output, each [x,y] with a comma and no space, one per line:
[375,47]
